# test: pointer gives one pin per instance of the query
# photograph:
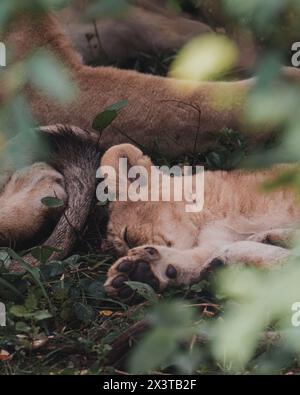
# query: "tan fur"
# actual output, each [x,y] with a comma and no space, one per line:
[237,219]
[159,109]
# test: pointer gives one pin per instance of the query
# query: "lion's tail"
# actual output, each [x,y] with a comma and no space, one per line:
[75,154]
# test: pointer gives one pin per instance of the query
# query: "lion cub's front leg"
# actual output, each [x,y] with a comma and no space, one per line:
[22,213]
[284,237]
[161,267]
[158,266]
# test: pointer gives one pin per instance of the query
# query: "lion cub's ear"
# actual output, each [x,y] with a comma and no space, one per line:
[134,156]
[121,158]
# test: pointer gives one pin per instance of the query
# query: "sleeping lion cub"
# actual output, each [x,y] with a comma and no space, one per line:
[163,245]
[160,243]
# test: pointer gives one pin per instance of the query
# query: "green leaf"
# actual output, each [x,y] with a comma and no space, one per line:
[31,302]
[83,312]
[143,290]
[174,5]
[104,119]
[4,257]
[43,253]
[73,260]
[96,290]
[41,315]
[34,272]
[19,311]
[51,201]
[22,327]
[117,106]
[6,284]
[197,287]
[52,270]
[61,294]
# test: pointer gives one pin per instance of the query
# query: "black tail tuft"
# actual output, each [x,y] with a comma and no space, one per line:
[75,154]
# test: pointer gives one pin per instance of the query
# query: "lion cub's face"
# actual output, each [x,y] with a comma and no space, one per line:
[133,224]
[130,224]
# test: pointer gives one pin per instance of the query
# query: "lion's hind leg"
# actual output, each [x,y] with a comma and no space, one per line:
[22,213]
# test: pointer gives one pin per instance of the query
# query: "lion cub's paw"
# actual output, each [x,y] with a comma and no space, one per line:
[143,264]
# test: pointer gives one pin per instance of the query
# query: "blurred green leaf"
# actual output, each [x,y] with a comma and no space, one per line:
[156,348]
[107,8]
[205,58]
[256,13]
[261,298]
[50,76]
[172,322]
[7,9]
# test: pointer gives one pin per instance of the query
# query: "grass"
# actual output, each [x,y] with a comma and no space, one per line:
[74,332]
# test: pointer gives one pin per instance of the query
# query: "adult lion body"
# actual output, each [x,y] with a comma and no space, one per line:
[161,110]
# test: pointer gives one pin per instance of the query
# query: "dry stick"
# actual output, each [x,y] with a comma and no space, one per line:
[128,137]
[121,345]
[99,39]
